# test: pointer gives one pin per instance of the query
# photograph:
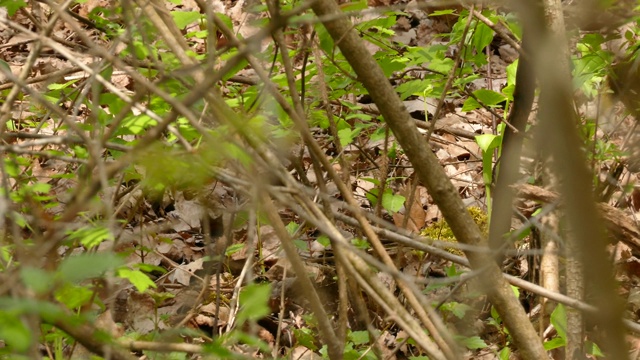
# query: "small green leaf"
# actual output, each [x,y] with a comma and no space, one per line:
[559,321]
[347,135]
[554,343]
[90,237]
[504,354]
[489,97]
[74,296]
[301,244]
[14,332]
[482,37]
[593,349]
[253,299]
[137,278]
[36,279]
[86,266]
[442,12]
[488,142]
[324,240]
[511,72]
[12,6]
[306,337]
[184,18]
[392,203]
[234,248]
[472,343]
[359,337]
[470,104]
[61,86]
[292,227]
[456,308]
[360,243]
[135,125]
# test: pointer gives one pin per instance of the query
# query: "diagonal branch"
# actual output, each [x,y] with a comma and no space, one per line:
[433,176]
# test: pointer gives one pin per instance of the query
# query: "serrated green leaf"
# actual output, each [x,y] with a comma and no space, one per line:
[90,237]
[472,343]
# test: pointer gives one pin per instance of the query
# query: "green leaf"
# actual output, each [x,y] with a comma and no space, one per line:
[489,97]
[135,125]
[413,87]
[306,337]
[559,321]
[90,237]
[482,37]
[347,135]
[57,86]
[516,291]
[456,308]
[504,354]
[488,142]
[354,6]
[86,266]
[292,227]
[390,64]
[234,248]
[442,12]
[392,203]
[442,65]
[554,343]
[360,243]
[74,296]
[36,279]
[301,244]
[593,349]
[184,18]
[324,240]
[253,300]
[511,72]
[12,6]
[359,337]
[137,278]
[472,343]
[148,268]
[470,104]
[14,332]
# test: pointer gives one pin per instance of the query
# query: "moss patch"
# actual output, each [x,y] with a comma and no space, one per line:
[440,230]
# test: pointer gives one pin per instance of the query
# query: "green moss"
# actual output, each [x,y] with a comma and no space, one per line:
[440,230]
